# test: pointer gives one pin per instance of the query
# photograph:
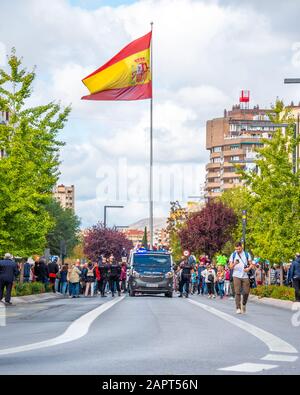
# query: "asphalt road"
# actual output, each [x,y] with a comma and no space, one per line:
[148,335]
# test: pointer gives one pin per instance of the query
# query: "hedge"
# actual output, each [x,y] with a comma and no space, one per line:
[274,291]
[29,289]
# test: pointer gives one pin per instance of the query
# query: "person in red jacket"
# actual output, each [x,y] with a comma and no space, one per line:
[98,277]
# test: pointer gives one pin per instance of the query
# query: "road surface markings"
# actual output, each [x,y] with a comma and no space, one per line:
[273,342]
[249,368]
[75,331]
[280,358]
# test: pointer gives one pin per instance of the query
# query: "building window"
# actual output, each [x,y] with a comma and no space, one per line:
[216,160]
[216,149]
[235,158]
[235,146]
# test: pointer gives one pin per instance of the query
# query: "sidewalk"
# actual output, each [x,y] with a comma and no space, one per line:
[281,304]
[44,297]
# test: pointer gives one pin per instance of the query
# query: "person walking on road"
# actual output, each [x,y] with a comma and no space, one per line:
[201,280]
[114,276]
[8,273]
[295,276]
[240,262]
[103,269]
[41,271]
[185,277]
[63,276]
[210,279]
[53,269]
[123,276]
[227,281]
[221,280]
[89,275]
[73,278]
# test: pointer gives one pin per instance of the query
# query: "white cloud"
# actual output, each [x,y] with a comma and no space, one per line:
[204,53]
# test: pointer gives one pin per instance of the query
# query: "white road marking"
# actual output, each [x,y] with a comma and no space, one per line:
[2,314]
[280,358]
[273,342]
[75,331]
[249,368]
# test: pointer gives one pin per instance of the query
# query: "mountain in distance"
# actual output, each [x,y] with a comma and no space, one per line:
[158,223]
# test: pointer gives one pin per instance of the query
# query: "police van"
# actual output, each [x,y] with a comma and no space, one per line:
[151,272]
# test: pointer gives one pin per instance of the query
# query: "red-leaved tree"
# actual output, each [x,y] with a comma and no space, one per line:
[104,241]
[208,230]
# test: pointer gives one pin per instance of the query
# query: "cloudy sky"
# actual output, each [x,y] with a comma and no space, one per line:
[205,52]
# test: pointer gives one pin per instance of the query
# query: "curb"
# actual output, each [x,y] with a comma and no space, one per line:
[44,297]
[281,304]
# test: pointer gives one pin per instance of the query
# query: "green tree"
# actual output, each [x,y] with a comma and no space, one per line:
[175,222]
[275,191]
[239,199]
[145,238]
[66,229]
[29,168]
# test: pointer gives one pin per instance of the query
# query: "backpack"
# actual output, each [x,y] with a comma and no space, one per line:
[90,272]
[210,278]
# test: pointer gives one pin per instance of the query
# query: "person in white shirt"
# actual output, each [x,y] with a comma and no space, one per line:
[241,263]
[210,279]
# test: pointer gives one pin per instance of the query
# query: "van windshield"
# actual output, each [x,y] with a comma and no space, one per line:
[147,263]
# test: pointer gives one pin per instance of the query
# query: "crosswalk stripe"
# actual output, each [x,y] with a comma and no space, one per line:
[280,358]
[248,367]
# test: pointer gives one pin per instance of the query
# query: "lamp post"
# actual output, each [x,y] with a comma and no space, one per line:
[105,208]
[244,222]
[296,155]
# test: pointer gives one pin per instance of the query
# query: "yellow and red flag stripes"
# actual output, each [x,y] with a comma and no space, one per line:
[127,76]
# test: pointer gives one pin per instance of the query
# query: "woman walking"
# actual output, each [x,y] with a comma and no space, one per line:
[89,275]
[74,278]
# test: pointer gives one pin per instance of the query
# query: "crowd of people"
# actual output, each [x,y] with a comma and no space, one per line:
[109,276]
[87,279]
[234,280]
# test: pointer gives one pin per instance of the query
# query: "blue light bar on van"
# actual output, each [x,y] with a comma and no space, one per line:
[142,251]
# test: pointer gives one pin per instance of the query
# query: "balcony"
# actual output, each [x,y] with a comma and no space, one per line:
[230,175]
[215,155]
[210,185]
[234,152]
[213,166]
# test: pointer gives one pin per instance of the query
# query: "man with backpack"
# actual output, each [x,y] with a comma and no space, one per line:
[240,262]
[186,272]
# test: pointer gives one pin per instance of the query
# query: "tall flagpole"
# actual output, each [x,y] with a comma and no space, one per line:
[151,147]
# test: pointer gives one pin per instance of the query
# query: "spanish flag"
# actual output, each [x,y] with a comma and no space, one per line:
[127,76]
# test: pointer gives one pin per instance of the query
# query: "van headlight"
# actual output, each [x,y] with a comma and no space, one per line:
[169,275]
[136,274]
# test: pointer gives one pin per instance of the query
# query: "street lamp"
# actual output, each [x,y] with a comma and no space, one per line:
[105,208]
[296,153]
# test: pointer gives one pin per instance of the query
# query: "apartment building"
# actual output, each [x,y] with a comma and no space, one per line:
[232,140]
[65,195]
